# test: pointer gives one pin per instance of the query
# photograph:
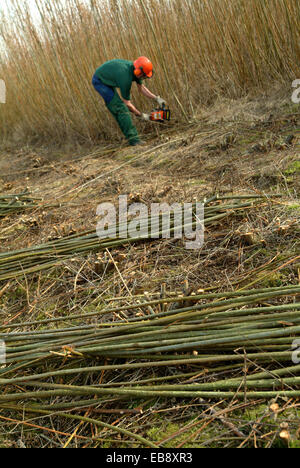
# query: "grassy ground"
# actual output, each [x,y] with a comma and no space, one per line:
[236,147]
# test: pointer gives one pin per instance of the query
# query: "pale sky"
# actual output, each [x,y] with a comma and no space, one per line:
[5,4]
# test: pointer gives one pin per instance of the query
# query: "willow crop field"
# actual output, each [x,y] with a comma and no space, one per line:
[150,294]
[201,49]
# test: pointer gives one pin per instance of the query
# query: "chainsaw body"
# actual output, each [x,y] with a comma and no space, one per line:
[160,115]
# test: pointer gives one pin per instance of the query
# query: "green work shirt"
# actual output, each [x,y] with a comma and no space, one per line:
[118,73]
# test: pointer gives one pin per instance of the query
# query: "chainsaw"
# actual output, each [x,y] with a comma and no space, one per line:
[161,115]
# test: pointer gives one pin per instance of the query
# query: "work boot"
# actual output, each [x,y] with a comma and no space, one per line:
[138,143]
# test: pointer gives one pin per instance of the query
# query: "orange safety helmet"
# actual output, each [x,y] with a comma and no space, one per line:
[143,65]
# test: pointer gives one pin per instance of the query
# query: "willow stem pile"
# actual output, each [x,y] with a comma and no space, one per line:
[41,257]
[11,204]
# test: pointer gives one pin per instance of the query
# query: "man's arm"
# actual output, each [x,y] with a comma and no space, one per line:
[146,92]
[132,108]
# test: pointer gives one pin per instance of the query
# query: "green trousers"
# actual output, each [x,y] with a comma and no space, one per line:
[122,115]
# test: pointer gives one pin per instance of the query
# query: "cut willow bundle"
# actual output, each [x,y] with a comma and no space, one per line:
[10,204]
[228,330]
[34,259]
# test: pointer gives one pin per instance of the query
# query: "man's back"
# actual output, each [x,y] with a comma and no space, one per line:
[118,73]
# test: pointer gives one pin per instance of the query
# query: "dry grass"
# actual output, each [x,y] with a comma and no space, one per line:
[200,50]
[187,167]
